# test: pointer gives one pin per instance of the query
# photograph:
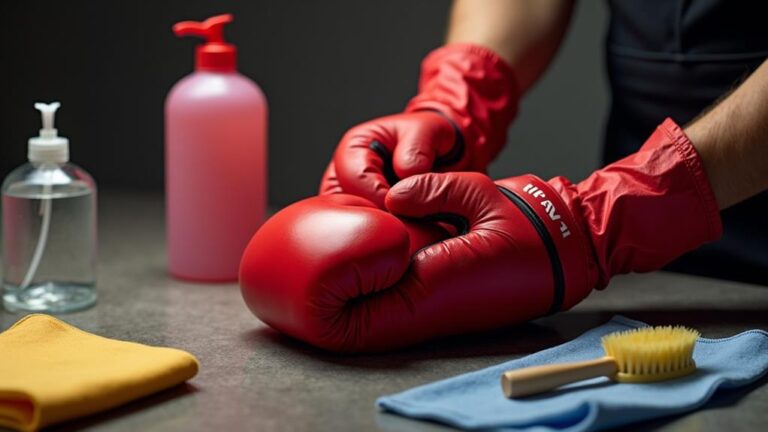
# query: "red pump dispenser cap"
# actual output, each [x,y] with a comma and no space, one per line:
[215,54]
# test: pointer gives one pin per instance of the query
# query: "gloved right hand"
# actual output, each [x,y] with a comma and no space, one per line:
[458,122]
[347,277]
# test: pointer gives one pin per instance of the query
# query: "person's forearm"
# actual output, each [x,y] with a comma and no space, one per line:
[523,32]
[732,140]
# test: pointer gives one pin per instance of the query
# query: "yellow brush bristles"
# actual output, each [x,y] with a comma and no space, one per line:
[652,353]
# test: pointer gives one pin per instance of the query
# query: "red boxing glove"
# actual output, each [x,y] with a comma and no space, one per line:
[457,122]
[306,264]
[528,248]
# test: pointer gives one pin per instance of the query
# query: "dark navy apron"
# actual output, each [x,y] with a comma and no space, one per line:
[675,58]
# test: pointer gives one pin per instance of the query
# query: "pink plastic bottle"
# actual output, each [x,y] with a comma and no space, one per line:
[215,160]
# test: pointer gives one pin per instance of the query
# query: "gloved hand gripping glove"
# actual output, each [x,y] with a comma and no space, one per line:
[457,122]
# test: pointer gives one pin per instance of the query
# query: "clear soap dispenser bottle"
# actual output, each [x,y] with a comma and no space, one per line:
[49,228]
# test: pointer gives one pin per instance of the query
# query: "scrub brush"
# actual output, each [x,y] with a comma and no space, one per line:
[633,356]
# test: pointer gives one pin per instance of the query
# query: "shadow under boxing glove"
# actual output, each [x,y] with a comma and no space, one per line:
[354,278]
[458,121]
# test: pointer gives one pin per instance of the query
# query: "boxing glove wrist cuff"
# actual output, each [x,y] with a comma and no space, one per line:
[477,91]
[567,246]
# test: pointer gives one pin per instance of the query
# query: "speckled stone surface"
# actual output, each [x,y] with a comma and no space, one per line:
[252,378]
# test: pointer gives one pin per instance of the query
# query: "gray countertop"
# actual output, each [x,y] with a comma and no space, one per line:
[252,378]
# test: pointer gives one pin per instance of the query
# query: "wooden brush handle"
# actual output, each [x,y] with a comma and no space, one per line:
[537,379]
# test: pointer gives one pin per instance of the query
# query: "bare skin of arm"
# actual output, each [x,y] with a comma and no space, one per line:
[525,33]
[732,140]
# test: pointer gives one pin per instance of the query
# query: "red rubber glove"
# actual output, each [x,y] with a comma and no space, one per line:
[457,122]
[339,276]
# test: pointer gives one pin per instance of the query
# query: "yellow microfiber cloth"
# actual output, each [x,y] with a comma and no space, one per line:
[51,371]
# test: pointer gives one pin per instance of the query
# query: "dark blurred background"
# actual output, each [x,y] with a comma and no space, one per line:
[324,67]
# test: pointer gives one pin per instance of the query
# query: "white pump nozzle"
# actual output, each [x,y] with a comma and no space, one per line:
[49,146]
[48,111]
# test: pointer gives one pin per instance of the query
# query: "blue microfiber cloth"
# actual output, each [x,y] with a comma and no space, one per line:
[475,400]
